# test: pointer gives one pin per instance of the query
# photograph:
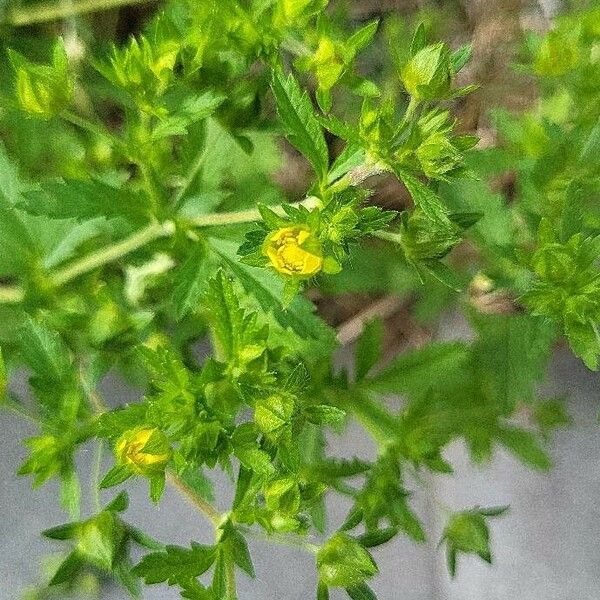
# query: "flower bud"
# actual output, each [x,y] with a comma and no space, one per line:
[294,251]
[145,451]
[429,73]
[343,562]
[424,239]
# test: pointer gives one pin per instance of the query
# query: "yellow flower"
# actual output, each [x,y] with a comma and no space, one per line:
[294,251]
[146,451]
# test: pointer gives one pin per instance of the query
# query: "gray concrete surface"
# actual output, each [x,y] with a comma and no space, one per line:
[546,548]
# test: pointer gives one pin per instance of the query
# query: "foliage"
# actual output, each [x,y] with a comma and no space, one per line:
[163,226]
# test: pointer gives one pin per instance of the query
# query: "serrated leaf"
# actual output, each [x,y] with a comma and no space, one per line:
[416,371]
[176,565]
[298,117]
[510,356]
[525,446]
[427,200]
[241,553]
[84,200]
[323,414]
[190,282]
[44,352]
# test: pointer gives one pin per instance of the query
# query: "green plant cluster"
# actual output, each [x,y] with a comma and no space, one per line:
[152,221]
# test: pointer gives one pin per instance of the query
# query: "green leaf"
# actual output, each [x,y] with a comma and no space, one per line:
[525,446]
[467,532]
[343,562]
[267,289]
[44,352]
[360,39]
[416,371]
[190,282]
[423,197]
[240,553]
[118,474]
[461,57]
[361,592]
[510,356]
[419,40]
[324,414]
[368,348]
[68,569]
[245,447]
[298,117]
[84,200]
[176,565]
[377,537]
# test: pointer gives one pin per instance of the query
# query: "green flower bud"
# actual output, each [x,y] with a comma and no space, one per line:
[43,91]
[343,562]
[428,75]
[438,156]
[423,239]
[99,539]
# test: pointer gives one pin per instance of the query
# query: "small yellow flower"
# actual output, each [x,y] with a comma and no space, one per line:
[146,451]
[294,251]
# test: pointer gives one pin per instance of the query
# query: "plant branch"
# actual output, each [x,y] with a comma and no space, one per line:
[154,231]
[202,505]
[294,541]
[93,128]
[43,12]
[245,216]
[230,578]
[111,253]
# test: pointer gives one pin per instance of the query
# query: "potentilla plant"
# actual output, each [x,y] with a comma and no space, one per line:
[163,226]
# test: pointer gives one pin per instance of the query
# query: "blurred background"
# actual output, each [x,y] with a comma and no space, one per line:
[547,546]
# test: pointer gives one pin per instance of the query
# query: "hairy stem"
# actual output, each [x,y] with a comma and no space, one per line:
[94,128]
[43,11]
[111,253]
[202,505]
[295,541]
[96,470]
[230,578]
[245,216]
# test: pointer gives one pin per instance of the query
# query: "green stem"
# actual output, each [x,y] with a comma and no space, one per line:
[111,253]
[95,480]
[202,505]
[15,294]
[94,128]
[245,216]
[284,540]
[230,578]
[43,12]
[374,417]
